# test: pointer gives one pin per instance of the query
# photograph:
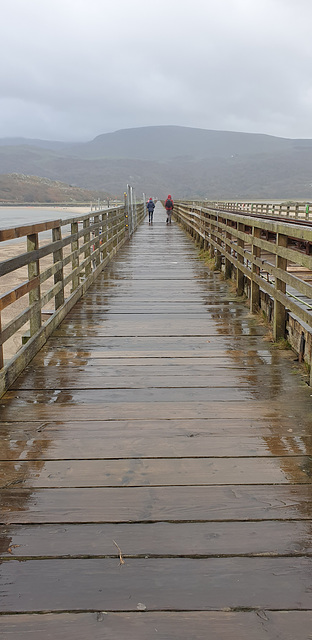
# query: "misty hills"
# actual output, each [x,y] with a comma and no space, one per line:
[171,142]
[20,188]
[184,161]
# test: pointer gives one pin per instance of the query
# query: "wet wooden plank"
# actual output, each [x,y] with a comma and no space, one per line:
[167,366]
[159,539]
[75,443]
[223,343]
[274,428]
[147,426]
[103,396]
[117,306]
[111,374]
[137,410]
[154,504]
[84,355]
[89,380]
[253,625]
[134,472]
[206,584]
[147,325]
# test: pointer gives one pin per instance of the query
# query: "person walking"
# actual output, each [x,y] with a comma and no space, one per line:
[169,207]
[150,208]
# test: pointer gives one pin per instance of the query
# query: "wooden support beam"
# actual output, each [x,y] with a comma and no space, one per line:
[240,260]
[34,294]
[59,275]
[254,286]
[279,317]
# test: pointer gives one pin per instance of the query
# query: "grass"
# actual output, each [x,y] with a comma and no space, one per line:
[282,344]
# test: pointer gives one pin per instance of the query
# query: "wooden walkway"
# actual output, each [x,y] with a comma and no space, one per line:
[156,465]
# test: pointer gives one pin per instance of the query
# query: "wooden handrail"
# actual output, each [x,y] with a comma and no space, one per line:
[290,209]
[77,258]
[261,255]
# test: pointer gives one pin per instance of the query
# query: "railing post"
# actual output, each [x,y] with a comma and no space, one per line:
[102,242]
[240,260]
[279,318]
[34,295]
[87,252]
[110,231]
[206,232]
[219,251]
[75,259]
[59,275]
[97,241]
[227,262]
[214,238]
[1,347]
[254,287]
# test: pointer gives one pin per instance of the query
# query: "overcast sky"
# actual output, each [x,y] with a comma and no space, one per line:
[73,69]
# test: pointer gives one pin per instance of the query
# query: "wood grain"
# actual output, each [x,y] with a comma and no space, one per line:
[178,584]
[255,625]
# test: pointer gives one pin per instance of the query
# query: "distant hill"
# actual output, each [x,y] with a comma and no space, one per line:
[184,161]
[22,188]
[32,142]
[170,142]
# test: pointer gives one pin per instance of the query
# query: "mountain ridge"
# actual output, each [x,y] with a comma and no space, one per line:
[186,161]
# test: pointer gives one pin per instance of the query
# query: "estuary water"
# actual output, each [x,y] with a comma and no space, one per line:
[15,216]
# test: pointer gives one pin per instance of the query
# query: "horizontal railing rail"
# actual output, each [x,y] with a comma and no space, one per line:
[42,281]
[274,257]
[288,209]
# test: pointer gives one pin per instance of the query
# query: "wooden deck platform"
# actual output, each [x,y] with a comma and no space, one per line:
[156,465]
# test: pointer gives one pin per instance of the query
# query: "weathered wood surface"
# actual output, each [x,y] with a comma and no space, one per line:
[258,625]
[84,441]
[160,584]
[163,539]
[159,424]
[137,472]
[155,504]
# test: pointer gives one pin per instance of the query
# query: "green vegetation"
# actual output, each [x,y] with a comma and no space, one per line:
[207,259]
[283,344]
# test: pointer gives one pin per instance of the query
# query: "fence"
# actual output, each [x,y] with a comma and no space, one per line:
[53,272]
[295,210]
[271,261]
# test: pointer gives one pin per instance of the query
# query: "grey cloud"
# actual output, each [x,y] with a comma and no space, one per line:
[76,69]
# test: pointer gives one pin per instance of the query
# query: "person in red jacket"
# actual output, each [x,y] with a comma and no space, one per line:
[169,207]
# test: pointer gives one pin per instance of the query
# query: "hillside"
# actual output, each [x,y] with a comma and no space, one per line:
[186,162]
[23,188]
[171,142]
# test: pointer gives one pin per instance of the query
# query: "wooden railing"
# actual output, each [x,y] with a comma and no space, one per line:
[263,257]
[296,210]
[53,273]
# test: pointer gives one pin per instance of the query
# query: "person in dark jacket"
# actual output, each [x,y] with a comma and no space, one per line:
[150,208]
[169,207]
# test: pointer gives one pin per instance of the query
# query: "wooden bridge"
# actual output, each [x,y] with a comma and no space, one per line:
[156,454]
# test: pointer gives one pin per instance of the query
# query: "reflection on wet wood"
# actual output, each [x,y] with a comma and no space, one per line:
[136,410]
[56,444]
[91,381]
[153,504]
[156,472]
[157,422]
